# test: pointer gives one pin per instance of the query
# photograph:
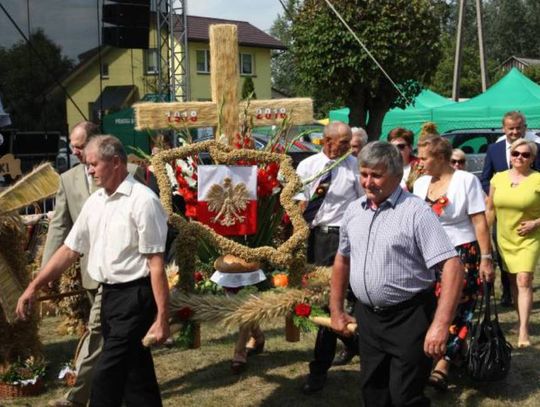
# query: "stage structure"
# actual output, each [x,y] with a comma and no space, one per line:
[172,50]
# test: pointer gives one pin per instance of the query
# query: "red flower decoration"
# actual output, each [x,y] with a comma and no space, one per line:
[184,314]
[198,276]
[302,310]
[439,206]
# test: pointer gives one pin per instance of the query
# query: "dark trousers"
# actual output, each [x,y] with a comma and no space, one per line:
[322,249]
[325,350]
[322,246]
[125,370]
[394,369]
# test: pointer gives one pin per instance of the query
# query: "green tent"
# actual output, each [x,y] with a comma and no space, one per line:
[415,115]
[122,125]
[339,115]
[513,92]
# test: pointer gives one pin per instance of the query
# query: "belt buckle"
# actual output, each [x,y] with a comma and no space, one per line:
[324,229]
[378,310]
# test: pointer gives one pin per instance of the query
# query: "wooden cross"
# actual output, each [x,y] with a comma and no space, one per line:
[224,78]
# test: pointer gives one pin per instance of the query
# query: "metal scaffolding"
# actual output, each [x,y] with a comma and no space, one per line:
[172,50]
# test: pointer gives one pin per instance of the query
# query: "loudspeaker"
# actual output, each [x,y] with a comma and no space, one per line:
[129,23]
[126,37]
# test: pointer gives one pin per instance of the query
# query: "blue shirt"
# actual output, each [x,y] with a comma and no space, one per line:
[393,248]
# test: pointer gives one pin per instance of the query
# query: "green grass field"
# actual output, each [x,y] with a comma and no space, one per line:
[202,377]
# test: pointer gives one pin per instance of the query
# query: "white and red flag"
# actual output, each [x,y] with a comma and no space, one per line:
[227,198]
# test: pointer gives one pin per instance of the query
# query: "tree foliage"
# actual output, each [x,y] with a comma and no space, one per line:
[284,77]
[511,27]
[25,80]
[248,88]
[402,34]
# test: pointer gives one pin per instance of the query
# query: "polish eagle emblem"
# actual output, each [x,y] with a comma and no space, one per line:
[228,201]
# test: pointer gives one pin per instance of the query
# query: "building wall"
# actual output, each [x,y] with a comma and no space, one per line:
[200,82]
[126,67]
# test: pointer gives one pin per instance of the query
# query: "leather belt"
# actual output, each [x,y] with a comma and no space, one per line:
[417,299]
[327,229]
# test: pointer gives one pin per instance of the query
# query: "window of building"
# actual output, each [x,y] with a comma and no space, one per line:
[104,70]
[203,61]
[151,61]
[246,64]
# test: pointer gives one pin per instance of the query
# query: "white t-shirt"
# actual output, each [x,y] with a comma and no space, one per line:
[116,232]
[465,196]
[344,188]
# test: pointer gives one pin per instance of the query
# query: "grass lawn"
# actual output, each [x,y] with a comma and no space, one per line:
[202,377]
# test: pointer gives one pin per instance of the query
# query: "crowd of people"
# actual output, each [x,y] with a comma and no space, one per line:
[407,236]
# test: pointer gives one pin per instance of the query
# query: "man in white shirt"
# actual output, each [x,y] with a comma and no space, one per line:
[122,230]
[324,201]
[76,185]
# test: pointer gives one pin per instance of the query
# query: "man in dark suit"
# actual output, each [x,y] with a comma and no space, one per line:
[76,185]
[498,160]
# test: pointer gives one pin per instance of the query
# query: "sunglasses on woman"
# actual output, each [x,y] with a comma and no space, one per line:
[524,154]
[460,162]
[401,146]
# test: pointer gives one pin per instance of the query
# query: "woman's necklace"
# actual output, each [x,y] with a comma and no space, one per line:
[517,178]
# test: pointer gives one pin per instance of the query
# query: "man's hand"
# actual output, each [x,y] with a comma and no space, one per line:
[339,321]
[159,331]
[25,303]
[435,342]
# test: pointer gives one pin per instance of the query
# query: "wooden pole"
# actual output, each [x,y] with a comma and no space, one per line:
[483,72]
[458,56]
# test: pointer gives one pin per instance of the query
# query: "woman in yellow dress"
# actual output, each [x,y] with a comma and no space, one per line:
[514,200]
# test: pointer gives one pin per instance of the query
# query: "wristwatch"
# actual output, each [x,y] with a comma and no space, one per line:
[486,256]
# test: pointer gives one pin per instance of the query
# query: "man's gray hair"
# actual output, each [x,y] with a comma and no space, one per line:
[361,134]
[107,147]
[381,152]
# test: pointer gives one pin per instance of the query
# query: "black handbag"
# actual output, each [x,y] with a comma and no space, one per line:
[489,355]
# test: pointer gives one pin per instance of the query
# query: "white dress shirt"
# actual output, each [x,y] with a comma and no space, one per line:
[344,187]
[116,232]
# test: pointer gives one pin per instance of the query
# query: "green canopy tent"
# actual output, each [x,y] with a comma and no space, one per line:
[414,115]
[512,92]
[339,115]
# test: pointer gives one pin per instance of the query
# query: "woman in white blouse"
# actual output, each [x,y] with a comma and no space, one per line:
[457,199]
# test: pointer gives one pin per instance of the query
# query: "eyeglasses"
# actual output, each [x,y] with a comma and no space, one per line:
[524,154]
[460,162]
[401,146]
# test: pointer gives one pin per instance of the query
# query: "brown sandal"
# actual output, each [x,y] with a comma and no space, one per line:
[438,380]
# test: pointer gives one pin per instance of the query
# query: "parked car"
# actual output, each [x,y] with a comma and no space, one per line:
[299,149]
[474,142]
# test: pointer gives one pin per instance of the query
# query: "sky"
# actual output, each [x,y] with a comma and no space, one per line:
[73,24]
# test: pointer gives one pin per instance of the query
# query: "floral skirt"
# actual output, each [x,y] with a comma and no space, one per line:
[469,254]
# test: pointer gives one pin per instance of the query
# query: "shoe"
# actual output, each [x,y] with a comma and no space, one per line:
[506,300]
[238,366]
[438,380]
[314,384]
[63,403]
[344,357]
[524,344]
[259,348]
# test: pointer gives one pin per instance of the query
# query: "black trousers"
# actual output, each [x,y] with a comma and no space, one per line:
[322,246]
[322,249]
[125,370]
[394,369]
